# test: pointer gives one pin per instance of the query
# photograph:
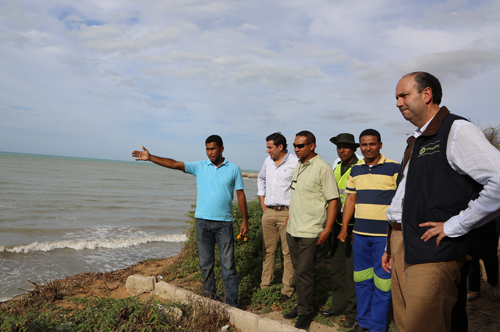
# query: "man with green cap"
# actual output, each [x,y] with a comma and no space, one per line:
[342,268]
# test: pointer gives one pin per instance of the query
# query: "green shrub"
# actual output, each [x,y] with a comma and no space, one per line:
[248,258]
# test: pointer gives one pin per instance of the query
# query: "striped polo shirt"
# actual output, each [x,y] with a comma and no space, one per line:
[374,188]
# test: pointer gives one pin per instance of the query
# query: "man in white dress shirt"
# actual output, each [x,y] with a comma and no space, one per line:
[273,185]
[449,184]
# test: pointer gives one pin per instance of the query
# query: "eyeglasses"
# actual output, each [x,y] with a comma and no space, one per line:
[300,146]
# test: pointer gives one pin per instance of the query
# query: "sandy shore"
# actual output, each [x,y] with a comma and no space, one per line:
[483,313]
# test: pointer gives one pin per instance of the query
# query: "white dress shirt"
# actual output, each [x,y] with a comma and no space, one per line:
[274,181]
[469,153]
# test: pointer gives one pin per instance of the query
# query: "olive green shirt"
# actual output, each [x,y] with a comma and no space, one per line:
[313,185]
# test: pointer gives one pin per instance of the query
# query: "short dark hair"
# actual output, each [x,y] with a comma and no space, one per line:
[214,139]
[370,132]
[278,139]
[310,136]
[425,80]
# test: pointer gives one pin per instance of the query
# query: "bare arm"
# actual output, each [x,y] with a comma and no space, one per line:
[242,202]
[350,203]
[165,162]
[333,206]
[262,205]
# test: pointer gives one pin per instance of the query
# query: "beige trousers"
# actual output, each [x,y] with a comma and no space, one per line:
[398,279]
[431,293]
[274,230]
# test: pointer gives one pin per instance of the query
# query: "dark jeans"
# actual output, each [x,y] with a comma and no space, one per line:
[302,252]
[208,233]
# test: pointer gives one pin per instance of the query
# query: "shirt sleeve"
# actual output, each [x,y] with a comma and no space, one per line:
[191,167]
[330,190]
[350,188]
[261,181]
[470,153]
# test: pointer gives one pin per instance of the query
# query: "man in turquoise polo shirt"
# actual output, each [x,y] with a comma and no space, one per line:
[216,180]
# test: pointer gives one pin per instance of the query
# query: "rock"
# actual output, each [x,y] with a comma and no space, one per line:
[137,284]
[249,175]
[175,312]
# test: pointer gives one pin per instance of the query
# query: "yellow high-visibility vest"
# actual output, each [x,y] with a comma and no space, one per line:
[341,185]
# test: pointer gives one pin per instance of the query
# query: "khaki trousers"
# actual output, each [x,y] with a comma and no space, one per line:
[431,293]
[398,279]
[274,230]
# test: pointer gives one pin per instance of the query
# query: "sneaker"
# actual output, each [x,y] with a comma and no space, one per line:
[303,322]
[292,314]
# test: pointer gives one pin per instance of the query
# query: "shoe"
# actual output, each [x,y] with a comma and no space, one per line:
[303,322]
[329,313]
[358,328]
[284,298]
[348,322]
[471,298]
[291,315]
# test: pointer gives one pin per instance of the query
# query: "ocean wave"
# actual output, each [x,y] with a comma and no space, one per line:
[92,244]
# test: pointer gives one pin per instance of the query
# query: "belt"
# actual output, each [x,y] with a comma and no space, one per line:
[396,226]
[279,208]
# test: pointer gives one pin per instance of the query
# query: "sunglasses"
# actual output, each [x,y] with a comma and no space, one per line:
[300,146]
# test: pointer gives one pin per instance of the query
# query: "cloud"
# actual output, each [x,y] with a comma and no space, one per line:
[272,75]
[137,39]
[104,31]
[348,116]
[243,69]
[458,64]
[249,27]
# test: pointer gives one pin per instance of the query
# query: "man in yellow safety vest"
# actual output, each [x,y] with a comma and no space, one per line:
[342,268]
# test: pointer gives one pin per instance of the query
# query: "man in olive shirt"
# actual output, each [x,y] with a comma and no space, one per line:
[313,202]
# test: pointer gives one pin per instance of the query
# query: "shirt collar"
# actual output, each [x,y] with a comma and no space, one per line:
[419,131]
[311,161]
[224,163]
[285,159]
[380,162]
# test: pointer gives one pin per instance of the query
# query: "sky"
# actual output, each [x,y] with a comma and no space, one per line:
[99,78]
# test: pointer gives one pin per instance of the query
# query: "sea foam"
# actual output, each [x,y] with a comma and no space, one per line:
[92,244]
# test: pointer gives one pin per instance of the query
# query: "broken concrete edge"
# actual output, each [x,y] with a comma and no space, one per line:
[138,284]
[246,321]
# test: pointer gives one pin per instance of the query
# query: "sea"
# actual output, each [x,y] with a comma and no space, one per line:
[61,216]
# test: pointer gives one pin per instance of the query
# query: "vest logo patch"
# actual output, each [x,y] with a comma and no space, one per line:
[429,149]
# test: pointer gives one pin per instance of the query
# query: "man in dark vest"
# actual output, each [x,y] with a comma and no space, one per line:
[449,184]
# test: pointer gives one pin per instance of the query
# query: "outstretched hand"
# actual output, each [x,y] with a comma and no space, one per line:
[436,230]
[141,155]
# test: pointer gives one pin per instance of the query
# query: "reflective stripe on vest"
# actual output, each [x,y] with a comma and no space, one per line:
[341,185]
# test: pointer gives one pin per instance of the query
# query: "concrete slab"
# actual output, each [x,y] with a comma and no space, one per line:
[165,290]
[246,321]
[137,284]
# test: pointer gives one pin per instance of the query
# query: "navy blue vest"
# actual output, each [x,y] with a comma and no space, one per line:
[434,192]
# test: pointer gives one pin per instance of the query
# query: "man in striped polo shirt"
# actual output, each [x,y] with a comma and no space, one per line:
[370,189]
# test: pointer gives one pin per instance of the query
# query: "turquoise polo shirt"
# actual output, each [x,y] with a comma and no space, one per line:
[215,186]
